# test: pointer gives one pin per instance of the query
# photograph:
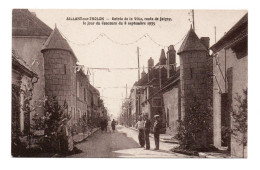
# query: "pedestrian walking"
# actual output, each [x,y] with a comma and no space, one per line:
[147,126]
[102,125]
[113,125]
[140,126]
[105,125]
[156,131]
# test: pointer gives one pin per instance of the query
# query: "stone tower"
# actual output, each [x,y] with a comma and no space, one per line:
[193,71]
[59,66]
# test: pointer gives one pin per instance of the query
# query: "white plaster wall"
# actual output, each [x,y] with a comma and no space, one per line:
[170,99]
[240,82]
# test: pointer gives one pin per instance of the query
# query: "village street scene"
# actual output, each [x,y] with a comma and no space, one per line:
[129,83]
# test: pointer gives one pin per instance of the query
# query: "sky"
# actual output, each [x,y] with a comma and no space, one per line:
[106,53]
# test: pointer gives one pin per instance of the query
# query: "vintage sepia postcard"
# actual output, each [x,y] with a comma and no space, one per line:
[129,83]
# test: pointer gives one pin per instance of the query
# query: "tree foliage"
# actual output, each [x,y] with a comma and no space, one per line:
[195,131]
[239,115]
[55,118]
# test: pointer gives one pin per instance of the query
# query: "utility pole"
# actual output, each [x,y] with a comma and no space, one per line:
[193,20]
[138,63]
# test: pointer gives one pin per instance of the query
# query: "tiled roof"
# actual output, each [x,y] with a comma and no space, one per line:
[22,64]
[56,41]
[191,43]
[239,30]
[24,23]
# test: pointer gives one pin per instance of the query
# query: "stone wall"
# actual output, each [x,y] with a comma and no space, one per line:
[193,78]
[60,78]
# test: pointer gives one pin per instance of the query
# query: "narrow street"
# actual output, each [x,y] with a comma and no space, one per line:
[122,143]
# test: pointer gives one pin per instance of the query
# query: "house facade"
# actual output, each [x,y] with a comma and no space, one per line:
[23,83]
[230,68]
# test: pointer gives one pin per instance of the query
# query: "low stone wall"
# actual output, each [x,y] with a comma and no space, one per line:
[82,136]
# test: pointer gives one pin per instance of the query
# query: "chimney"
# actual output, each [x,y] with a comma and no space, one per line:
[171,61]
[143,73]
[150,64]
[205,41]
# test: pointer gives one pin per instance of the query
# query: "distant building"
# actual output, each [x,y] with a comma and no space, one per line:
[168,90]
[230,68]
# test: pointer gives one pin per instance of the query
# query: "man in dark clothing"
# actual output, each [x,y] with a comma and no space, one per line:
[156,131]
[102,125]
[105,125]
[147,126]
[113,125]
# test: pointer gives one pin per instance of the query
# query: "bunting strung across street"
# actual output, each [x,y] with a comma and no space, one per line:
[146,35]
[127,68]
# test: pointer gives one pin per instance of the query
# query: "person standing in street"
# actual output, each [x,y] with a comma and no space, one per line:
[156,131]
[113,125]
[105,124]
[147,126]
[102,125]
[140,126]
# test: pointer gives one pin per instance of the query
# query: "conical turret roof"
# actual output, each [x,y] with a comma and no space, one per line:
[162,57]
[56,41]
[162,54]
[191,43]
